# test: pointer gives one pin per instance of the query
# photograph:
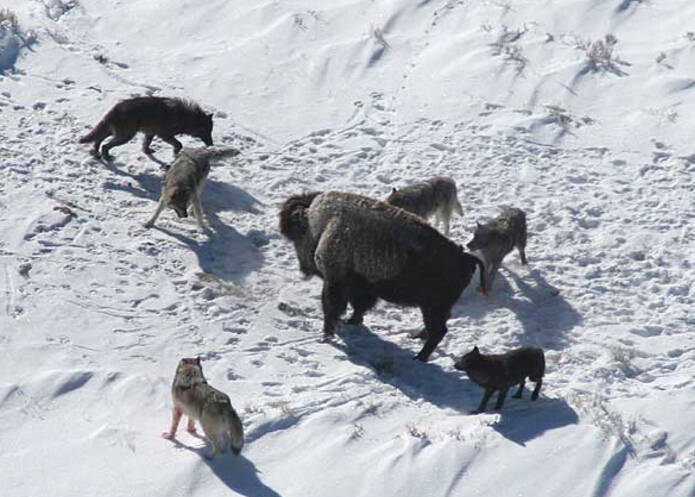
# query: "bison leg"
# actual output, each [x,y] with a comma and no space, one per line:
[435,327]
[522,255]
[361,302]
[334,301]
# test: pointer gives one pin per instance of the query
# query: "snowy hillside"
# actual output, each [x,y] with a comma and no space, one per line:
[577,111]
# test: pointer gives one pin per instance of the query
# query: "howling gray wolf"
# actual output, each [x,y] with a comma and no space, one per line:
[434,197]
[495,239]
[183,183]
[499,372]
[199,401]
[160,116]
[365,249]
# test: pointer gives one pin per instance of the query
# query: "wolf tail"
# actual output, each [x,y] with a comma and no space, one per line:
[233,436]
[293,218]
[221,153]
[100,131]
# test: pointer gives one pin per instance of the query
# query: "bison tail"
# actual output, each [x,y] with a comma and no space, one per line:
[293,218]
[481,270]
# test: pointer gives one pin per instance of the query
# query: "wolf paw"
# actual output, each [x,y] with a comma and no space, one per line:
[168,435]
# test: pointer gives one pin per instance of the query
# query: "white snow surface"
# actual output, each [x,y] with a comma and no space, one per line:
[360,96]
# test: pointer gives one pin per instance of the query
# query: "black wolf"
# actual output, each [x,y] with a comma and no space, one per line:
[365,249]
[499,372]
[495,239]
[434,197]
[160,116]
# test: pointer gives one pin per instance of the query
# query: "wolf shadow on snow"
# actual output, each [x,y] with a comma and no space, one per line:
[238,473]
[225,252]
[520,420]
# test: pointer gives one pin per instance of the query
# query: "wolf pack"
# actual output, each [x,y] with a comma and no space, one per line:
[363,249]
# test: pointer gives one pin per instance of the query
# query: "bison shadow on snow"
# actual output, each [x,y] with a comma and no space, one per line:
[238,473]
[544,314]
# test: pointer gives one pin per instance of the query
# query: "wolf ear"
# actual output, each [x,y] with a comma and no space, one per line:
[197,360]
[478,225]
[476,350]
[394,190]
[209,116]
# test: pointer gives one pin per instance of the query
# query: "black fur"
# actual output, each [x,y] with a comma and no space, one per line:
[502,371]
[154,116]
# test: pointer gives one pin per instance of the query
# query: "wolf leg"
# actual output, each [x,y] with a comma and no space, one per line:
[173,142]
[198,210]
[536,391]
[500,397]
[517,395]
[492,272]
[175,418]
[146,142]
[114,142]
[100,137]
[157,212]
[190,427]
[435,325]
[483,402]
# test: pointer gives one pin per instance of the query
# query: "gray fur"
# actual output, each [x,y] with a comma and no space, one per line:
[495,239]
[201,402]
[435,197]
[502,371]
[183,183]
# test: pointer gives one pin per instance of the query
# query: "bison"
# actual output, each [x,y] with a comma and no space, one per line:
[365,250]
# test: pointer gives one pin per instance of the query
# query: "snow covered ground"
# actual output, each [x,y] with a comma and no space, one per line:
[577,111]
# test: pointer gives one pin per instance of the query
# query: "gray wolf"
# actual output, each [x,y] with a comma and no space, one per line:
[365,249]
[154,116]
[434,197]
[495,239]
[183,182]
[499,372]
[199,401]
